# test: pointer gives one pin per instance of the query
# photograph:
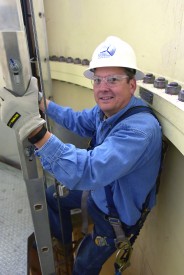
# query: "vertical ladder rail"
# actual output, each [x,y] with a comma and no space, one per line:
[41,48]
[34,179]
[15,65]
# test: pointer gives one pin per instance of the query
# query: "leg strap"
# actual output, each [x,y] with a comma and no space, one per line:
[118,230]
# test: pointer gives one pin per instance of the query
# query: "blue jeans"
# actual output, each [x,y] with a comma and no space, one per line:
[90,257]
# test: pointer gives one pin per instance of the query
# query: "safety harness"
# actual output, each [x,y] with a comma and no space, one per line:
[123,242]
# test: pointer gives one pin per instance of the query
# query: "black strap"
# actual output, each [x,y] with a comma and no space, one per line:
[129,112]
[108,190]
[135,110]
[38,136]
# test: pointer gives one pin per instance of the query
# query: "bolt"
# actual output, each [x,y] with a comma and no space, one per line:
[172,88]
[149,78]
[41,14]
[53,58]
[29,151]
[181,95]
[77,61]
[69,59]
[85,62]
[62,59]
[160,83]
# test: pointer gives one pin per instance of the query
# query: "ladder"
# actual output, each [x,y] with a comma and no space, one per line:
[16,69]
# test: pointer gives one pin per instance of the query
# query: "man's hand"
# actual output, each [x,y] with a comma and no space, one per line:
[42,103]
[21,113]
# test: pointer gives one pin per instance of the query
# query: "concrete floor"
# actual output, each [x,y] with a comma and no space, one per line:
[15,222]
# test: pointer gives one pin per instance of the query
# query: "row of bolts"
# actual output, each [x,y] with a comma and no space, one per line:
[69,60]
[172,88]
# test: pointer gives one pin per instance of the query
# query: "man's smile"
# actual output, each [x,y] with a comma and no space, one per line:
[106,98]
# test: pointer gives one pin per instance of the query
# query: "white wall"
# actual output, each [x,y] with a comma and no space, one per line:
[155,29]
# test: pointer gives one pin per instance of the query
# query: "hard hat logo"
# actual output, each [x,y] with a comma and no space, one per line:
[113,52]
[107,51]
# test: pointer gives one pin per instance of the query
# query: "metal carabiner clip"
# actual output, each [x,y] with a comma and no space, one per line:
[123,256]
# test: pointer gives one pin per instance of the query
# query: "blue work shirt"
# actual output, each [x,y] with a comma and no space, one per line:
[128,158]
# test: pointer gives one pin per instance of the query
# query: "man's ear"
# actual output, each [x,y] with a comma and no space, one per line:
[133,86]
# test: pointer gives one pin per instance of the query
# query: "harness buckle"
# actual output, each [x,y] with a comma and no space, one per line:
[114,221]
[123,255]
[101,241]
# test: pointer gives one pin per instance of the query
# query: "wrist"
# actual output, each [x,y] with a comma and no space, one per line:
[35,132]
[37,135]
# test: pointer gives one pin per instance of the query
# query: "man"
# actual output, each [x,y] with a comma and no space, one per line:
[126,155]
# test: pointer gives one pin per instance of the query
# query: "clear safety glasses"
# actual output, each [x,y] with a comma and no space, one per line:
[110,80]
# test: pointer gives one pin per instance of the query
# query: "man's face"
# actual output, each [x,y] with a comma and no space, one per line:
[112,96]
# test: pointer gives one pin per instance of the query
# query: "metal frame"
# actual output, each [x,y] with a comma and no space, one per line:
[14,35]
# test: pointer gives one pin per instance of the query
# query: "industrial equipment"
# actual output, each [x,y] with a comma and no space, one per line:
[16,69]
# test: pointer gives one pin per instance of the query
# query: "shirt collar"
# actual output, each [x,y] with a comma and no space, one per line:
[113,118]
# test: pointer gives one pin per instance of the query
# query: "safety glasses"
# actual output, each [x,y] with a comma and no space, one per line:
[110,80]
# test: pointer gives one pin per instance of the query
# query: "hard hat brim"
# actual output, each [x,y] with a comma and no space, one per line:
[89,73]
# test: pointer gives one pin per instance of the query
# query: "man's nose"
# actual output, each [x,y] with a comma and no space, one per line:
[103,83]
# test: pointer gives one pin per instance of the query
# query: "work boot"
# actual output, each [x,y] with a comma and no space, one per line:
[63,257]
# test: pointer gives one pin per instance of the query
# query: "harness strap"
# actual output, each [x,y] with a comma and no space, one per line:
[122,242]
[125,245]
[119,232]
[108,190]
[84,212]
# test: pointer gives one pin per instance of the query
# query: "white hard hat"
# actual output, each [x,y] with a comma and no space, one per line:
[113,52]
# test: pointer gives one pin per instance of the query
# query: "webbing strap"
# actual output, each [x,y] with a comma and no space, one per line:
[84,212]
[132,111]
[123,261]
[119,232]
[129,112]
[108,191]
